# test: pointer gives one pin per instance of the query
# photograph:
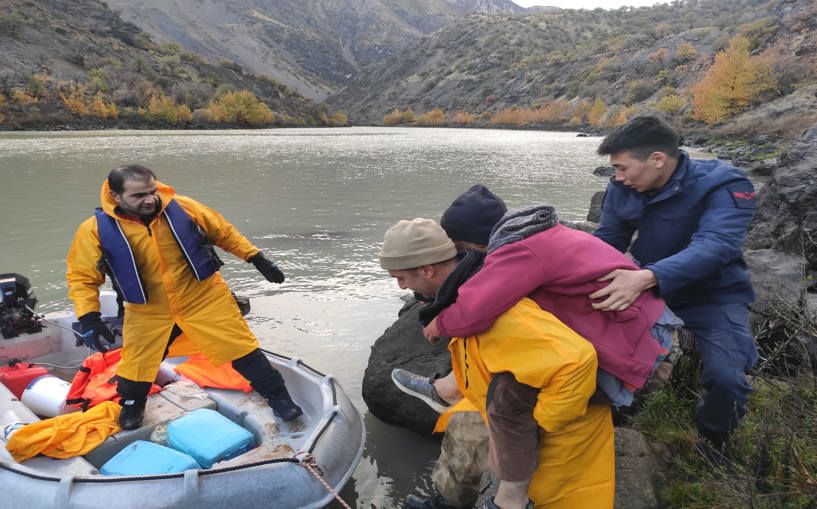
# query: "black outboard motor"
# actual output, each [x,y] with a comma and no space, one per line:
[15,317]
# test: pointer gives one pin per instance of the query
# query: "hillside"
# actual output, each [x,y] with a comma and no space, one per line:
[77,64]
[312,46]
[552,69]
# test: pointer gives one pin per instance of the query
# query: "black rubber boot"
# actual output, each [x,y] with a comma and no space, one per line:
[132,397]
[269,383]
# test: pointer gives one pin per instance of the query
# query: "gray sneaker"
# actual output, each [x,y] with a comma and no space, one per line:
[420,387]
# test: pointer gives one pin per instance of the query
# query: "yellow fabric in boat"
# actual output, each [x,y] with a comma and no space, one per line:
[66,436]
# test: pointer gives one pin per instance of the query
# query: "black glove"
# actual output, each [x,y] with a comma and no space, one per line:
[92,327]
[267,268]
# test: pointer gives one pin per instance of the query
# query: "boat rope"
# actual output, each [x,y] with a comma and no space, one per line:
[308,461]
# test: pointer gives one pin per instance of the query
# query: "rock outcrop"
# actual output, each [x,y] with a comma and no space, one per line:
[786,217]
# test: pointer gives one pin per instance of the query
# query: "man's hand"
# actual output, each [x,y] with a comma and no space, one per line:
[432,332]
[267,268]
[92,327]
[624,288]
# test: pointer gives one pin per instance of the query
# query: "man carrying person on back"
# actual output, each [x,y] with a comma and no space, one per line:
[157,246]
[691,217]
[530,254]
[528,359]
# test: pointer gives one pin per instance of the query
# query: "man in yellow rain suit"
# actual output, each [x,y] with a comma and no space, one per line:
[157,248]
[527,356]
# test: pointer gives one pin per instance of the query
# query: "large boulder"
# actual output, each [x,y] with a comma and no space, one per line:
[403,345]
[594,214]
[638,474]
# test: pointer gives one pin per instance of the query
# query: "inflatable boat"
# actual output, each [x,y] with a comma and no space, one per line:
[290,465]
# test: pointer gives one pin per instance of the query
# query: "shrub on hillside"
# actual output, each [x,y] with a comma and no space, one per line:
[163,108]
[72,96]
[434,117]
[596,113]
[671,104]
[242,107]
[392,117]
[23,98]
[339,118]
[101,109]
[686,51]
[464,118]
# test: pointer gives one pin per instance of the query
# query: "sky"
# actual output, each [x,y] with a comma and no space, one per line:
[587,4]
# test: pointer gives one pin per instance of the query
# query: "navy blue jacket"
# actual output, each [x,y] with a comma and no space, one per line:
[690,232]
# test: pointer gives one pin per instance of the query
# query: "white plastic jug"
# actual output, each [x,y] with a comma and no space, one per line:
[11,423]
[45,396]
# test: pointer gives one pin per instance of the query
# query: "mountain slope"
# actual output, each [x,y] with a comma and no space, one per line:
[313,46]
[486,64]
[79,63]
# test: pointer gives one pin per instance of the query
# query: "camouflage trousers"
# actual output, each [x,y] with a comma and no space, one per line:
[463,459]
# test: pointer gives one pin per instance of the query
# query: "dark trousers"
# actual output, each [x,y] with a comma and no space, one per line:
[513,432]
[727,347]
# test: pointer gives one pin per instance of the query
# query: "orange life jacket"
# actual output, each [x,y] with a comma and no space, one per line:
[96,381]
[205,374]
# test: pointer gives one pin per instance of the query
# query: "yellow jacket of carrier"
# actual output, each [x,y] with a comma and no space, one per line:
[576,451]
[540,351]
[174,293]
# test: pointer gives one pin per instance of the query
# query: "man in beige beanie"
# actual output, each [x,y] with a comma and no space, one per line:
[526,347]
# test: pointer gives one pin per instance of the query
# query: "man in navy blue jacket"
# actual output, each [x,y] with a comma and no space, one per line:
[691,217]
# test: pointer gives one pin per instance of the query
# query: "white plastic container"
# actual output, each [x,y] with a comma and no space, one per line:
[45,396]
[11,423]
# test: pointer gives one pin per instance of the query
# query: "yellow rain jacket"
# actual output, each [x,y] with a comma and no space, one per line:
[576,452]
[205,310]
[66,436]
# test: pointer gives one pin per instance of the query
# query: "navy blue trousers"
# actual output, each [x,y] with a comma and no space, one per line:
[728,352]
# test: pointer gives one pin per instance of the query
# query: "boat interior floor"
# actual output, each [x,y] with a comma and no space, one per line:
[273,438]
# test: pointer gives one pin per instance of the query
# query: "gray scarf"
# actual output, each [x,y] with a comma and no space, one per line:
[518,224]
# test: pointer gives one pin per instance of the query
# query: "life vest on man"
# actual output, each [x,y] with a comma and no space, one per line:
[96,381]
[118,255]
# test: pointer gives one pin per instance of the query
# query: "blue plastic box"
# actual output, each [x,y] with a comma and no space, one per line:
[146,458]
[208,436]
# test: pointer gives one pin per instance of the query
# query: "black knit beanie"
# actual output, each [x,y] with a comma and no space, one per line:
[472,215]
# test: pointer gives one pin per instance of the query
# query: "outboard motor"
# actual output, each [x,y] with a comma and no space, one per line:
[16,306]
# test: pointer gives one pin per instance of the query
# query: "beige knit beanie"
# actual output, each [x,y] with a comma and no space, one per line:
[415,243]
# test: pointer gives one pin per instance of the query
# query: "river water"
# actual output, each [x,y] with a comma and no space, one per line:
[315,200]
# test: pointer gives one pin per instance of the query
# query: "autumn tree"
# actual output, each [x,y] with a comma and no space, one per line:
[597,112]
[73,98]
[103,109]
[162,107]
[339,118]
[433,117]
[241,106]
[618,116]
[734,81]
[463,118]
[392,118]
[408,116]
